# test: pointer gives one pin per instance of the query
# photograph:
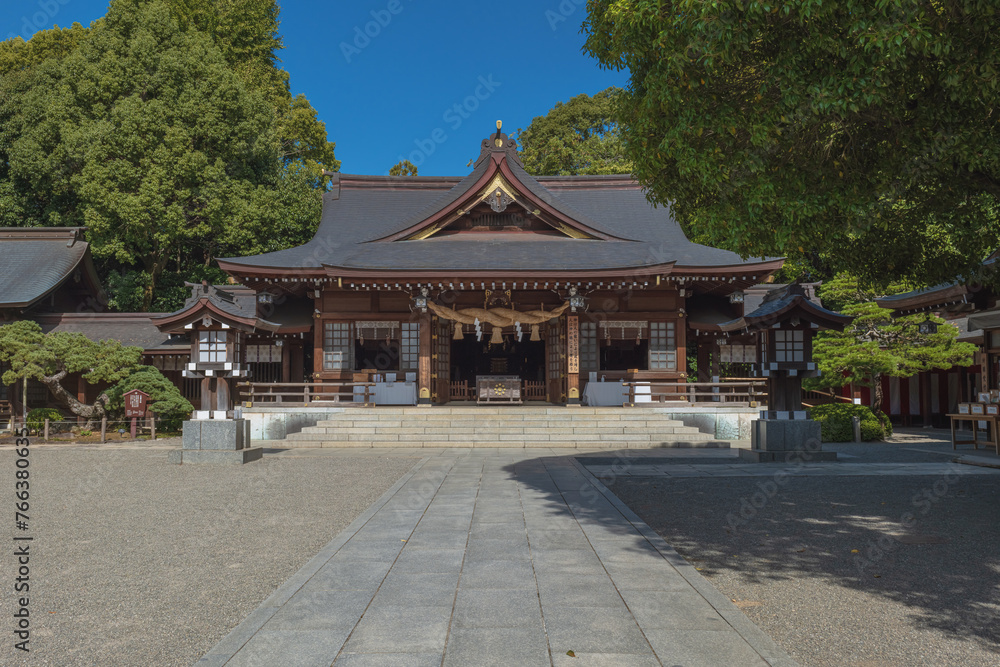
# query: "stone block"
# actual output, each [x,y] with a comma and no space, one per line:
[783,435]
[191,434]
[224,434]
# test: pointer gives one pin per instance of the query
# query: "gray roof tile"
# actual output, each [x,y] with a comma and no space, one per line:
[363,210]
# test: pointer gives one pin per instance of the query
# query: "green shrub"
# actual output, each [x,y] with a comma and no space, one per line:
[165,401]
[835,421]
[37,417]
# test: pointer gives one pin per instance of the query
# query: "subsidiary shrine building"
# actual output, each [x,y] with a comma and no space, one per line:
[435,283]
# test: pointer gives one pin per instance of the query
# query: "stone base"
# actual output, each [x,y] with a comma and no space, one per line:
[215,456]
[784,435]
[802,455]
[216,441]
[785,440]
[224,434]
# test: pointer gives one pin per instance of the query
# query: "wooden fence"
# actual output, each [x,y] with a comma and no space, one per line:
[740,393]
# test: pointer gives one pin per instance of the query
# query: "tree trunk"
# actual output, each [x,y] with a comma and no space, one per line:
[876,382]
[155,266]
[88,412]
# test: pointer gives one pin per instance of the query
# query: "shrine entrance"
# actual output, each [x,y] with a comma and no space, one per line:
[473,359]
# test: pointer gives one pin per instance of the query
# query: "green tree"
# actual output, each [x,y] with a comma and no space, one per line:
[246,32]
[146,135]
[576,137]
[165,401]
[876,345]
[18,55]
[404,168]
[863,130]
[51,358]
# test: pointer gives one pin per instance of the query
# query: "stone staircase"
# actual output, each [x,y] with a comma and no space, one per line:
[507,426]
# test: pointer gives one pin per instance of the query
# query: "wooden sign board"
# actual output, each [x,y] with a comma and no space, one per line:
[135,403]
[573,344]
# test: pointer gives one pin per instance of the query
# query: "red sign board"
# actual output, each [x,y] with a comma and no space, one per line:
[135,403]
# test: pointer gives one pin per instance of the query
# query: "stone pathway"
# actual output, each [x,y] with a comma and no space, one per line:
[628,468]
[497,557]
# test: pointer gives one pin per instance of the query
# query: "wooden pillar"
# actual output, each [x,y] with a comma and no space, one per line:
[222,398]
[704,360]
[206,394]
[286,362]
[424,365]
[297,361]
[680,340]
[573,359]
[318,334]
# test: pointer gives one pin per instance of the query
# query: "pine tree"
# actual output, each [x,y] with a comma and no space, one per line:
[875,344]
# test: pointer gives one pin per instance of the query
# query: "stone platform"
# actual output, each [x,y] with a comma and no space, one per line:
[216,441]
[785,441]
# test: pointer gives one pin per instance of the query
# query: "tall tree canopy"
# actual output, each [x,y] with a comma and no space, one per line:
[172,146]
[576,137]
[865,130]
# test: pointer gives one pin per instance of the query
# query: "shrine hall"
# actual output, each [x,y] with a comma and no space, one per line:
[493,287]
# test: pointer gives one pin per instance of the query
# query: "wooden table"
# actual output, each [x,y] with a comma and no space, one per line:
[991,420]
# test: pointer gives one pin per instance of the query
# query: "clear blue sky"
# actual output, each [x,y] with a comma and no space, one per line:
[389,96]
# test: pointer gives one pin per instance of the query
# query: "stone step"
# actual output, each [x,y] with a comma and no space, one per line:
[500,424]
[484,432]
[571,412]
[519,444]
[497,423]
[502,437]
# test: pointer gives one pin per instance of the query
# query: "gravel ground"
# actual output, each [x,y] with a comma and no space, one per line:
[928,596]
[139,562]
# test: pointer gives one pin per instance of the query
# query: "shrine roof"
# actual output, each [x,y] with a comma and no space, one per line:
[933,298]
[232,305]
[35,261]
[128,328]
[393,224]
[783,303]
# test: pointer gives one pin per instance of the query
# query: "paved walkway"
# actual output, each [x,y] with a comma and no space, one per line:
[497,557]
[626,467]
